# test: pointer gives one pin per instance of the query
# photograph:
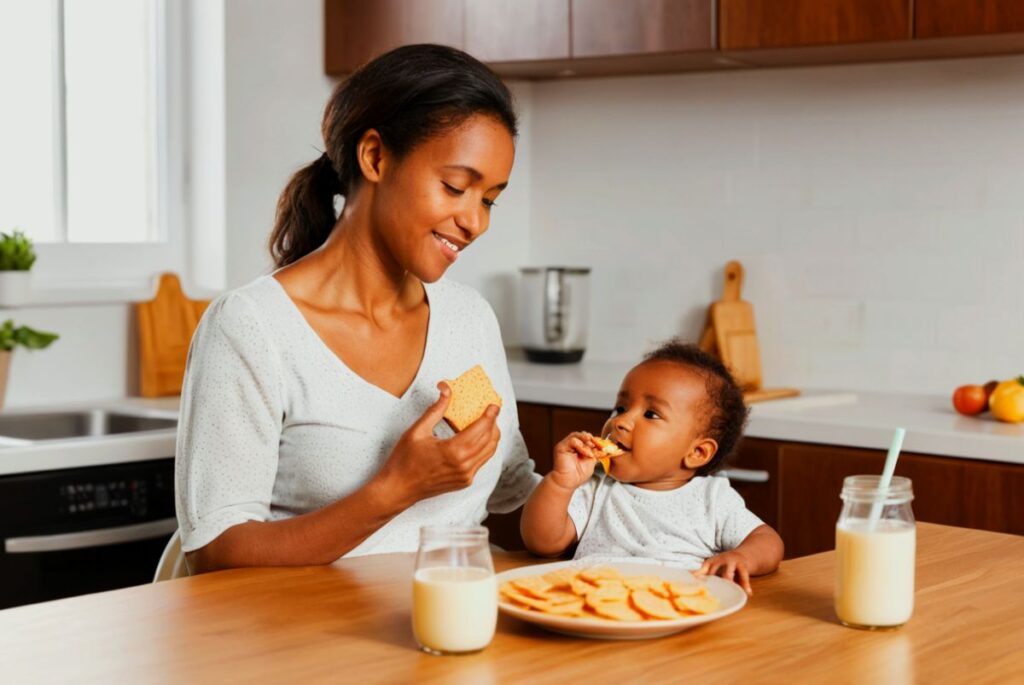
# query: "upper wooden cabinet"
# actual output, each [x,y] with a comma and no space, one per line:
[941,18]
[357,30]
[517,30]
[603,28]
[553,38]
[754,24]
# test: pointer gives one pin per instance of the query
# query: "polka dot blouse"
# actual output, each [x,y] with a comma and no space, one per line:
[273,424]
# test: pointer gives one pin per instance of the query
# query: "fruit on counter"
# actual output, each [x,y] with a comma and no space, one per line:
[989,389]
[1007,400]
[970,400]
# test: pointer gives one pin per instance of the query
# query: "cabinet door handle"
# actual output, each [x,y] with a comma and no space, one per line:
[745,475]
[90,538]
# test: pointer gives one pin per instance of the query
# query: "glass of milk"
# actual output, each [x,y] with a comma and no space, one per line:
[454,593]
[875,549]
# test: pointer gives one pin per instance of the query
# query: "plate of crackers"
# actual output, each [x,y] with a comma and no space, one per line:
[618,601]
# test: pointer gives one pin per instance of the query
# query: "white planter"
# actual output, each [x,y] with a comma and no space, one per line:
[15,288]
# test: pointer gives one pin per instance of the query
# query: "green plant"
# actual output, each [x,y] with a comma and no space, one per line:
[16,252]
[24,336]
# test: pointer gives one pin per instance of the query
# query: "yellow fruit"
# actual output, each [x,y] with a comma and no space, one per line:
[1007,401]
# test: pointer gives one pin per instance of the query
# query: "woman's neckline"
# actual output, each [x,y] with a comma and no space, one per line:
[427,345]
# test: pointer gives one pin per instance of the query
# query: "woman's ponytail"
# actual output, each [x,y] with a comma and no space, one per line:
[305,212]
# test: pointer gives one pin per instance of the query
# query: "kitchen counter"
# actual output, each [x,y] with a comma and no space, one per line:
[120,448]
[351,621]
[861,419]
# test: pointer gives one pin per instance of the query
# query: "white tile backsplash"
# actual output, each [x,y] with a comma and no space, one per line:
[878,210]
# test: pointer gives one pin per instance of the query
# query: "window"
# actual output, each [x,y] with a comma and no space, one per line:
[88,152]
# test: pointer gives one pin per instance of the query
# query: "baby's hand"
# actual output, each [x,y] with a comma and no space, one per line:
[731,565]
[575,458]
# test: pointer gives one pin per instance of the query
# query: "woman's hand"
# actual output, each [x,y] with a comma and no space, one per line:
[422,465]
[574,460]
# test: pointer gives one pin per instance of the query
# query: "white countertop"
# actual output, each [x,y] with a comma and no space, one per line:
[94,451]
[852,419]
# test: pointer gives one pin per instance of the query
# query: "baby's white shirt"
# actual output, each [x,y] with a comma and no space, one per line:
[681,527]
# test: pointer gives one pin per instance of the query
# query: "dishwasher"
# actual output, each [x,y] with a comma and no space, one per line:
[73,531]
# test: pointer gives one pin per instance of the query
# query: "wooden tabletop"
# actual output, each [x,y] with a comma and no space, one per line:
[350,622]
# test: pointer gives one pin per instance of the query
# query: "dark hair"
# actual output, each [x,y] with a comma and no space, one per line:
[727,413]
[407,95]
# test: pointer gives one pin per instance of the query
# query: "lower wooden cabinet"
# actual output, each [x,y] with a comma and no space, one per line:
[761,490]
[794,487]
[955,492]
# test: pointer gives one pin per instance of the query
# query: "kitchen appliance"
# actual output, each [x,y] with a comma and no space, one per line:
[554,305]
[86,529]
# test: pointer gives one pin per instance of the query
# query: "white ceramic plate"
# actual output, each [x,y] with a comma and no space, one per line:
[729,595]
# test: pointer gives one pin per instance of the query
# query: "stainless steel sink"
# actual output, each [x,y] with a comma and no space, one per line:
[87,423]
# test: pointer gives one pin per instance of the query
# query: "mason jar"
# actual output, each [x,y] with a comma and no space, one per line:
[875,553]
[455,595]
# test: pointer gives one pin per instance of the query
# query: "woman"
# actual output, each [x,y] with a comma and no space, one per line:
[310,420]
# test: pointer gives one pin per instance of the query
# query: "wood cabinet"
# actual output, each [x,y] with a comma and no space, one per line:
[535,425]
[356,31]
[761,497]
[565,420]
[517,30]
[612,27]
[943,18]
[757,24]
[556,38]
[956,492]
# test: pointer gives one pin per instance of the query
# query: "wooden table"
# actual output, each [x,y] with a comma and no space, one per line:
[350,623]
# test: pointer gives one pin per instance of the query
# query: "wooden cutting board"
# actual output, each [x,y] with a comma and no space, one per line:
[166,325]
[735,332]
[731,334]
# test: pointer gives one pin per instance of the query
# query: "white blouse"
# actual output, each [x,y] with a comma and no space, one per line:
[273,424]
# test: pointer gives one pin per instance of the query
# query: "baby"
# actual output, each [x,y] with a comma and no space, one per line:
[678,415]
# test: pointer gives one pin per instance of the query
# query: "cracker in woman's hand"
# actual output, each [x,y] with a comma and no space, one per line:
[472,392]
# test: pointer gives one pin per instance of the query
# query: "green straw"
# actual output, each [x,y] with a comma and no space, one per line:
[887,471]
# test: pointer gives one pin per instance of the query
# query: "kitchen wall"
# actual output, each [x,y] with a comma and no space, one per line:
[878,210]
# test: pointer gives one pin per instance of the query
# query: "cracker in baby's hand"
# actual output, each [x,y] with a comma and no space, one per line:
[609,449]
[471,393]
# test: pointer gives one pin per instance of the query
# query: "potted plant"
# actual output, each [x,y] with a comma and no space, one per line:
[11,337]
[16,258]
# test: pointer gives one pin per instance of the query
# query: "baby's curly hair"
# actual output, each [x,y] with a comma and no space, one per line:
[727,413]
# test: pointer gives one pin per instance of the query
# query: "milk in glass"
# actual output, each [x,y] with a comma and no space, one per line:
[454,593]
[876,544]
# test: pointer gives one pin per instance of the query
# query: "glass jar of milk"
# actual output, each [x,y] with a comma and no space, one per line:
[875,550]
[454,593]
